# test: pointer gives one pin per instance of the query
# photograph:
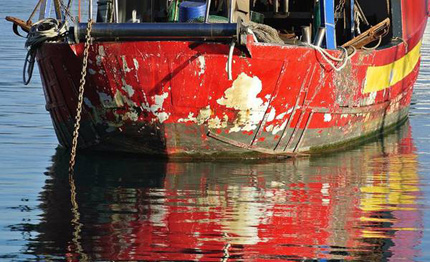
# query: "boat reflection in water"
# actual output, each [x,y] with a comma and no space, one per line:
[360,204]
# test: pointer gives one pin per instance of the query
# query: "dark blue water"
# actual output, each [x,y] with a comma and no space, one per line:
[370,203]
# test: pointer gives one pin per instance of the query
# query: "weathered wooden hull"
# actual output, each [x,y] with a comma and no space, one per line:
[174,98]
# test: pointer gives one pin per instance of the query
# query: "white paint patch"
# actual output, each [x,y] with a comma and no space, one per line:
[204,115]
[217,122]
[102,51]
[370,100]
[127,88]
[122,100]
[243,96]
[159,101]
[277,129]
[132,115]
[163,116]
[281,116]
[190,118]
[100,56]
[157,107]
[124,64]
[136,64]
[327,117]
[119,100]
[106,100]
[269,128]
[272,115]
[202,64]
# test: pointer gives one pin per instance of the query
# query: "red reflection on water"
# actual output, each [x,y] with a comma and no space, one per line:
[354,205]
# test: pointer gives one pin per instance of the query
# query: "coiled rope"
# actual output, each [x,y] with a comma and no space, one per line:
[42,31]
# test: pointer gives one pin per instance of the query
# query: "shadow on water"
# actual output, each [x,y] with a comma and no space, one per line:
[356,205]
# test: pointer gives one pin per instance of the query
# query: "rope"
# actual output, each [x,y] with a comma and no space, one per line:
[30,60]
[404,43]
[264,33]
[343,59]
[42,31]
[376,46]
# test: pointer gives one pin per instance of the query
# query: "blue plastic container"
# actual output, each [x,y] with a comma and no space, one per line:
[189,10]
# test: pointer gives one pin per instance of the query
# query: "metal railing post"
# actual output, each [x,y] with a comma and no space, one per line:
[230,11]
[116,12]
[90,9]
[208,7]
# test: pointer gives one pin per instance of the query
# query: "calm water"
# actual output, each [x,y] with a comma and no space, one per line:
[368,204]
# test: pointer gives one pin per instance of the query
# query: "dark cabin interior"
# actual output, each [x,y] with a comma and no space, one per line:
[286,16]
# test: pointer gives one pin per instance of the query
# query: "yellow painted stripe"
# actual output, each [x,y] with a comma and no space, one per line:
[382,77]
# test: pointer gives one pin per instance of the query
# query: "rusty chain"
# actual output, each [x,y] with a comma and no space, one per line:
[80,97]
[339,8]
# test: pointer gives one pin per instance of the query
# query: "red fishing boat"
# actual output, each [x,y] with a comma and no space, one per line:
[223,78]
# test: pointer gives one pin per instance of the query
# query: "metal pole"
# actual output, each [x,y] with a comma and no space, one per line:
[352,19]
[208,7]
[286,6]
[45,9]
[275,7]
[327,20]
[319,37]
[230,11]
[90,10]
[57,5]
[154,30]
[116,11]
[79,11]
[306,34]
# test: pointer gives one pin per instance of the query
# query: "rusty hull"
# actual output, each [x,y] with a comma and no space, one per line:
[173,98]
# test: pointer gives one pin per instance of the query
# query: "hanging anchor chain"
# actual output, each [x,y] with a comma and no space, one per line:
[80,98]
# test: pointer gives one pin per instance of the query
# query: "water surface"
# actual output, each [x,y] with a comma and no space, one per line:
[370,203]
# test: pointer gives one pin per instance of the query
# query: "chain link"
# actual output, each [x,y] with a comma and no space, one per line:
[339,9]
[80,98]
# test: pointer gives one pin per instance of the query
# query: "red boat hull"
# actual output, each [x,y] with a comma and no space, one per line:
[174,98]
